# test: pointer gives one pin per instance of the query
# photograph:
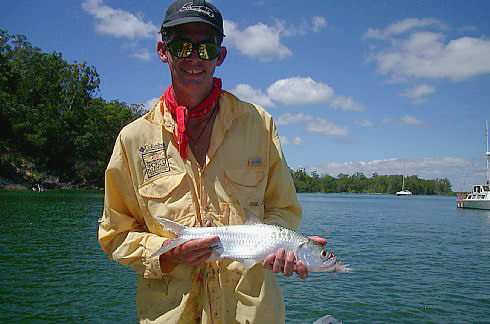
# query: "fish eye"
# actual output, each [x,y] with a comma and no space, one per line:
[323,254]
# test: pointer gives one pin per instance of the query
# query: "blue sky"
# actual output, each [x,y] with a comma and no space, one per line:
[369,86]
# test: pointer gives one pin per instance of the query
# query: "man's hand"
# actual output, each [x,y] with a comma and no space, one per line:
[285,262]
[193,252]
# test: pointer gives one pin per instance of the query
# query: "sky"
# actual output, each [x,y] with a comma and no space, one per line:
[392,87]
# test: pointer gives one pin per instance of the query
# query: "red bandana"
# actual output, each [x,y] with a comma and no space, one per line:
[183,114]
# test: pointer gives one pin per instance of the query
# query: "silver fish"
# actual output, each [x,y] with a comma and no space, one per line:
[251,243]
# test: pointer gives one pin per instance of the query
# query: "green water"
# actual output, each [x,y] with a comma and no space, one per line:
[415,260]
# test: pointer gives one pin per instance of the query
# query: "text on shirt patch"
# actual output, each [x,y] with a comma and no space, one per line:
[155,160]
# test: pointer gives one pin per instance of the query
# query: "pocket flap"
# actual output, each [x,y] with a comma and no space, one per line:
[162,186]
[246,177]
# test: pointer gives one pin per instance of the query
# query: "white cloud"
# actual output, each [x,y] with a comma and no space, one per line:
[313,125]
[260,41]
[117,22]
[426,168]
[287,118]
[316,24]
[319,23]
[263,42]
[400,27]
[385,121]
[373,123]
[298,90]
[410,120]
[418,94]
[346,103]
[247,93]
[325,127]
[298,140]
[427,54]
[365,123]
[143,54]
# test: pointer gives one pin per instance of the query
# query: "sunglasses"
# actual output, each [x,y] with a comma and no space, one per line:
[183,48]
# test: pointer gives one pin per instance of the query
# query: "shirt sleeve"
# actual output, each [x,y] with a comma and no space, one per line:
[123,235]
[280,201]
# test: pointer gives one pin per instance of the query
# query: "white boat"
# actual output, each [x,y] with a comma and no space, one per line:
[479,197]
[404,192]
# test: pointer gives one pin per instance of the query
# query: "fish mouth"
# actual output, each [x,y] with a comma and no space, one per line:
[329,263]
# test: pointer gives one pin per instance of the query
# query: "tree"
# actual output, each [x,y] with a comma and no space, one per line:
[358,182]
[50,115]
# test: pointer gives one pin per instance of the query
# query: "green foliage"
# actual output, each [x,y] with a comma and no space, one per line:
[50,115]
[359,183]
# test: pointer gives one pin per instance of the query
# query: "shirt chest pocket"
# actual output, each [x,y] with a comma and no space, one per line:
[168,196]
[247,187]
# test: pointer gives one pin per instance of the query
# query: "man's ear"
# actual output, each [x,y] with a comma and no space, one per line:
[162,51]
[221,56]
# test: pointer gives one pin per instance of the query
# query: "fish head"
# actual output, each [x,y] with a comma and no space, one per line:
[316,257]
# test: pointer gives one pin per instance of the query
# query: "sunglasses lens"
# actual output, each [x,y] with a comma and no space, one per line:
[182,48]
[208,51]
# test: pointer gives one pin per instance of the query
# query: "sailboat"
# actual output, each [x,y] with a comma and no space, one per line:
[404,192]
[479,197]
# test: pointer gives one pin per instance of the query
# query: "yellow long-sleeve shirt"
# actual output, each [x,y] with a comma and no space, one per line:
[146,178]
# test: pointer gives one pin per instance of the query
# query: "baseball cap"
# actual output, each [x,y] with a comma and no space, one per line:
[187,11]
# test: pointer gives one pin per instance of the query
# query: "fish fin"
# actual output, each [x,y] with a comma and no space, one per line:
[173,227]
[248,263]
[251,218]
[169,245]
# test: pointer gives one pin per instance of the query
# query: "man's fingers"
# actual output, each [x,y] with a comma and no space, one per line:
[194,251]
[269,261]
[289,264]
[199,243]
[301,270]
[279,261]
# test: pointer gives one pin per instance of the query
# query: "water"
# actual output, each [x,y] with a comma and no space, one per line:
[415,259]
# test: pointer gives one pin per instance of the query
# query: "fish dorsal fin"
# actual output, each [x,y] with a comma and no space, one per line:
[251,218]
[170,226]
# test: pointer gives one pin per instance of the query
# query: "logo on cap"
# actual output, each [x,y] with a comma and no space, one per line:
[202,9]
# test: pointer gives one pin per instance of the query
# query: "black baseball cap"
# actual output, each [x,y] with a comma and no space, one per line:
[187,11]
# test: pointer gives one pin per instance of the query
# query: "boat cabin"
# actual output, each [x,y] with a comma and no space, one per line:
[479,192]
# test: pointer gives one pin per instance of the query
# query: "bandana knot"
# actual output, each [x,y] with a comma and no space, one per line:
[183,114]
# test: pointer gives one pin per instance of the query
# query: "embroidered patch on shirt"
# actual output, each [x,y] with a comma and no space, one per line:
[155,160]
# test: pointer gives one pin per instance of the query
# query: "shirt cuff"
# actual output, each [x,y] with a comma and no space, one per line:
[152,264]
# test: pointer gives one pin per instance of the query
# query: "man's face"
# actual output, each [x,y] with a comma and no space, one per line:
[192,72]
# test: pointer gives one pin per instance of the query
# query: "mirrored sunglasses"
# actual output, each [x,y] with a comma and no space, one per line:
[183,48]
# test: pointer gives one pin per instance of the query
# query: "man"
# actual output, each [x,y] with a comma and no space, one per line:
[200,157]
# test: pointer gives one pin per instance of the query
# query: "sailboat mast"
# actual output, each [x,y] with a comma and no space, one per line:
[487,152]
